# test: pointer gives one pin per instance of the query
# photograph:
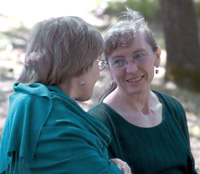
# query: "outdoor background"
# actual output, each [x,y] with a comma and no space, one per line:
[17,17]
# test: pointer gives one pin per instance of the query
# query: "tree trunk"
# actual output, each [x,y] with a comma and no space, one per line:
[182,43]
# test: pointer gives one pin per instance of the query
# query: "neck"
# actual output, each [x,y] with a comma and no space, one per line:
[144,103]
[69,87]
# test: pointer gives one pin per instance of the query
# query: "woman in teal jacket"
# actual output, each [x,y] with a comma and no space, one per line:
[46,131]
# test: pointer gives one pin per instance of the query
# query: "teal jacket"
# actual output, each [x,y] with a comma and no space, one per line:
[47,132]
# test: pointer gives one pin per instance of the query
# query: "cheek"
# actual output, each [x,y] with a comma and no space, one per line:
[94,76]
[112,74]
[97,74]
[150,71]
[117,76]
[149,66]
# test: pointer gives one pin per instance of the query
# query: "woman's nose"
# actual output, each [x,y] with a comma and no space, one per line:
[131,66]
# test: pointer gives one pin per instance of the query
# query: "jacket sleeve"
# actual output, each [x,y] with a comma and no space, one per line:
[72,150]
[87,158]
[104,114]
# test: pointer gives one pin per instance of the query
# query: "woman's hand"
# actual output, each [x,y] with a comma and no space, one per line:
[123,166]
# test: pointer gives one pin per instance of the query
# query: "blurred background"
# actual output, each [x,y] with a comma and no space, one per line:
[175,24]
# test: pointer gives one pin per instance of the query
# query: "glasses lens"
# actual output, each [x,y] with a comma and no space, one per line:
[119,63]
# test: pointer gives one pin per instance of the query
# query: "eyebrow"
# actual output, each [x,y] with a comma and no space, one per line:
[117,56]
[134,52]
[139,50]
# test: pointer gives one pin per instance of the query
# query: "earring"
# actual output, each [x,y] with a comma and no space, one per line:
[82,83]
[157,71]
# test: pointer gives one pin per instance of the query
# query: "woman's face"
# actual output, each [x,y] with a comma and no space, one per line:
[135,74]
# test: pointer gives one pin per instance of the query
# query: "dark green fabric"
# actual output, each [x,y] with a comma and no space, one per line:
[47,132]
[163,149]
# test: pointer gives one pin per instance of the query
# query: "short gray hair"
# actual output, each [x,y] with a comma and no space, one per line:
[122,34]
[60,48]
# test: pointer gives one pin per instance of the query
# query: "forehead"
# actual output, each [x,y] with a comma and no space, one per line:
[138,44]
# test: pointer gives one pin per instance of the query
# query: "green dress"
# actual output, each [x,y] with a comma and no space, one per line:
[163,149]
[46,132]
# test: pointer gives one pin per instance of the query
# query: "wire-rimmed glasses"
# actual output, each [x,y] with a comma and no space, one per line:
[101,64]
[121,62]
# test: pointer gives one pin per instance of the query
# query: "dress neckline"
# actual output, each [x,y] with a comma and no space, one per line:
[120,120]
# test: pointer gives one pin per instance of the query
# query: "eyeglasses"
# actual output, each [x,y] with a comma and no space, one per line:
[121,63]
[101,64]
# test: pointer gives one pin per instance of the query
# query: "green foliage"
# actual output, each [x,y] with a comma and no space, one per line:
[148,8]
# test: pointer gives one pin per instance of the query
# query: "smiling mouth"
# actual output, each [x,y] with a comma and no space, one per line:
[135,79]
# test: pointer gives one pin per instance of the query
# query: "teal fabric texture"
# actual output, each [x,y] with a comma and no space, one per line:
[47,132]
[163,149]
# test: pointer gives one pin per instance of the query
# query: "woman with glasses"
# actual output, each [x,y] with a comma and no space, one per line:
[148,128]
[46,131]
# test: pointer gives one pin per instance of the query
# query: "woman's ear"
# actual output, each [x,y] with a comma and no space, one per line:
[157,60]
